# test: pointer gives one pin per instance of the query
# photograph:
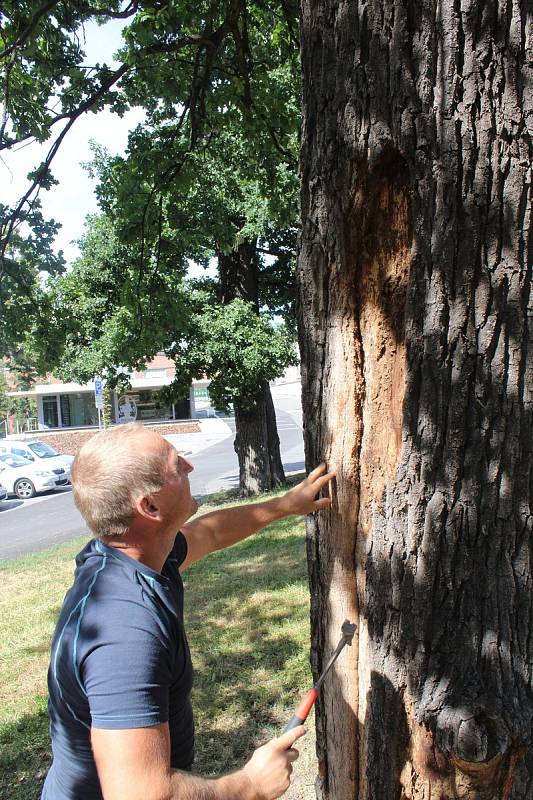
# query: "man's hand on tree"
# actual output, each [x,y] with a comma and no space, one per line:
[302,499]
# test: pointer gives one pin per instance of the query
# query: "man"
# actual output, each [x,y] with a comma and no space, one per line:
[120,673]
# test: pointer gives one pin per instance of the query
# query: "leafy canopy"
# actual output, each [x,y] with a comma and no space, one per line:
[238,349]
[206,73]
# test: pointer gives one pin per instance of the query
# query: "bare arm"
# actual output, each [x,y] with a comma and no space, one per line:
[135,764]
[223,528]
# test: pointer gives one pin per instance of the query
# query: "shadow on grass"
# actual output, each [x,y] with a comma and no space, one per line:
[38,649]
[25,757]
[248,621]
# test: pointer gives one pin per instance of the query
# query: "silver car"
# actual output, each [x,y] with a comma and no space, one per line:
[37,451]
[24,478]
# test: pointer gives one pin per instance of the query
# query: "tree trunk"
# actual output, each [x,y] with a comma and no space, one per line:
[256,441]
[239,274]
[277,473]
[416,328]
[257,445]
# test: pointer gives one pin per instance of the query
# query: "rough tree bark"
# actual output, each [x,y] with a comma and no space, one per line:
[256,441]
[416,333]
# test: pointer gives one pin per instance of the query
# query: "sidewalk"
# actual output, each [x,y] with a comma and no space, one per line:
[212,431]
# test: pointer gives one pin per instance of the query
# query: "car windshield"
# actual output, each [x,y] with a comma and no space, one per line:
[42,450]
[14,461]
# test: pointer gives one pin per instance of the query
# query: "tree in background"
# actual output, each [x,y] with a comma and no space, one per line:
[235,206]
[212,80]
[416,338]
[23,375]
[187,65]
[28,256]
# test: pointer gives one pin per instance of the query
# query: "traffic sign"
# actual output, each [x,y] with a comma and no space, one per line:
[98,393]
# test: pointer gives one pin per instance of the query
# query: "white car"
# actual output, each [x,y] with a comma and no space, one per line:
[3,492]
[25,479]
[37,451]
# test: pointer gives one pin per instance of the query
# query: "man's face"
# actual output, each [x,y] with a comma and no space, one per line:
[175,497]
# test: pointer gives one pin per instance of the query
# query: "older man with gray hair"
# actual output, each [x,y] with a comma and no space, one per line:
[120,674]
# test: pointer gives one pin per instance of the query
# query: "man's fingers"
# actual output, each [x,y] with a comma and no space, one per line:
[286,740]
[324,502]
[319,483]
[316,472]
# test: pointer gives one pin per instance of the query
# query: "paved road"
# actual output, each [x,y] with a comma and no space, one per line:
[48,519]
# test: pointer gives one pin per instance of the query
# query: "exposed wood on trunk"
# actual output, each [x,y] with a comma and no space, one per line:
[416,331]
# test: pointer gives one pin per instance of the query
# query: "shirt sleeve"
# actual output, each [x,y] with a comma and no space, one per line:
[126,676]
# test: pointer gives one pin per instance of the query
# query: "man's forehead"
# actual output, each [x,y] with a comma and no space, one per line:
[173,451]
[153,440]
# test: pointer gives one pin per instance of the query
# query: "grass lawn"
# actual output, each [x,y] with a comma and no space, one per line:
[247,616]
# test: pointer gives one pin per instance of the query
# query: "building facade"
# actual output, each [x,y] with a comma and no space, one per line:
[72,405]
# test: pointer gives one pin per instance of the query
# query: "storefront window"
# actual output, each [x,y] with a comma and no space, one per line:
[142,405]
[50,418]
[78,410]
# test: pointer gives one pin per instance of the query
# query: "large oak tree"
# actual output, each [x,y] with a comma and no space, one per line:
[416,330]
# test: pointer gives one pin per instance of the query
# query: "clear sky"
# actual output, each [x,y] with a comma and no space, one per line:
[74,198]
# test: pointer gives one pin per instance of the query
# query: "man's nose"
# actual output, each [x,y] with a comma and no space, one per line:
[185,465]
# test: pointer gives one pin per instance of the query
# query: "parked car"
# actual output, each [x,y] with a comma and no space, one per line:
[37,451]
[3,492]
[25,478]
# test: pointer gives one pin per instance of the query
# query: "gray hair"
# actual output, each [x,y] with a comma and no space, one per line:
[111,472]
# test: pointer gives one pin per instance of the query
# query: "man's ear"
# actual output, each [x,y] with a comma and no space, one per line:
[148,508]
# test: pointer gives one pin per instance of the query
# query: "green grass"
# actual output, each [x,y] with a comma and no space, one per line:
[247,616]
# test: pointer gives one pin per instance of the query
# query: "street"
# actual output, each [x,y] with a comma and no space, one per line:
[50,518]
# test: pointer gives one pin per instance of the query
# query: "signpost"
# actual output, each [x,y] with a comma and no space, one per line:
[99,399]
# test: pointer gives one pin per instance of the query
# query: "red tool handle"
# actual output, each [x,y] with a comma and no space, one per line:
[301,713]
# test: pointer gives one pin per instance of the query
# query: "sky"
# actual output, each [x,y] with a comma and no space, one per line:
[74,197]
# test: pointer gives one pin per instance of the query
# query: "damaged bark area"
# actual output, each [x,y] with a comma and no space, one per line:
[380,248]
[430,774]
[416,331]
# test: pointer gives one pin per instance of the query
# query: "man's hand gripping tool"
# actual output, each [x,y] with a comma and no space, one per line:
[301,713]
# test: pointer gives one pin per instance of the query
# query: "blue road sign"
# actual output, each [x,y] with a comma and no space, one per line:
[98,393]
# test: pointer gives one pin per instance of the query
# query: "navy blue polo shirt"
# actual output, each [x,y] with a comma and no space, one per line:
[120,659]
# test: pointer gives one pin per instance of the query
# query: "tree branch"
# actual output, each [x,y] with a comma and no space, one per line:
[25,35]
[108,12]
[45,166]
[84,9]
[104,87]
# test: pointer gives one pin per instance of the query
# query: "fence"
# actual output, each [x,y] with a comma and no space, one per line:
[24,425]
